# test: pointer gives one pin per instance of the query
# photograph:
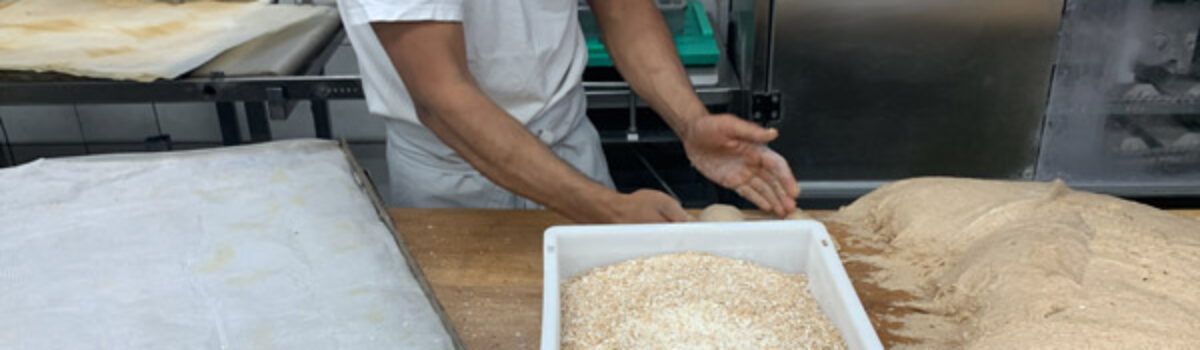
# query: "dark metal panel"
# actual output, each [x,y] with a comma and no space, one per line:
[748,41]
[6,153]
[256,121]
[884,89]
[231,132]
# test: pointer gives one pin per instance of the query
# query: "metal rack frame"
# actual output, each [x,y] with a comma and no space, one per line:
[273,97]
[263,97]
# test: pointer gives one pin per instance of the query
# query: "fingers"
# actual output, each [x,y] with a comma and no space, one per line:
[786,203]
[749,132]
[742,177]
[749,193]
[673,212]
[765,190]
[661,206]
[782,173]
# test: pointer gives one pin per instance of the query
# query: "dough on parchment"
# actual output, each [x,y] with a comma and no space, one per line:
[721,213]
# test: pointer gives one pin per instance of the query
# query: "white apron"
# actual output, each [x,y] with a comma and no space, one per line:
[528,56]
[421,179]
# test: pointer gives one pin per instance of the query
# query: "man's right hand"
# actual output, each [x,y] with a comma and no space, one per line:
[644,206]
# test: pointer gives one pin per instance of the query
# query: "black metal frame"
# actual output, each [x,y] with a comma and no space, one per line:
[273,97]
[262,97]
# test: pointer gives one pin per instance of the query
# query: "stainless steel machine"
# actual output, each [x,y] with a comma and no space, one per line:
[1124,109]
[1100,93]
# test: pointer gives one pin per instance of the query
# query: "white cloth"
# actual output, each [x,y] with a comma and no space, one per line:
[528,56]
[266,246]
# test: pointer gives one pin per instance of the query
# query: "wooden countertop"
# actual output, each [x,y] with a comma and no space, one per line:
[485,266]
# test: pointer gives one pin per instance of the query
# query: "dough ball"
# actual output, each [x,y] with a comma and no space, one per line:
[1189,140]
[1133,144]
[721,212]
[798,215]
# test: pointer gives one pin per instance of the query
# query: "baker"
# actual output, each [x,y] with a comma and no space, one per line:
[485,108]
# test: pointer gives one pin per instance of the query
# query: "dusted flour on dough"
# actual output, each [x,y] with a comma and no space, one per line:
[1006,265]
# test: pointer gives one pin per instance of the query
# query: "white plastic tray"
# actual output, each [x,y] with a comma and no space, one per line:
[789,246]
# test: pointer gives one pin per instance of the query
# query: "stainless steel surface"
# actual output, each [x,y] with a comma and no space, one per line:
[885,89]
[1109,124]
[837,189]
[854,189]
[750,41]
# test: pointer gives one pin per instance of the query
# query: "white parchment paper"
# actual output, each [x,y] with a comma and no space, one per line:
[271,246]
[139,40]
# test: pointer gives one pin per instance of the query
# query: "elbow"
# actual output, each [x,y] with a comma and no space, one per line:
[433,111]
[424,114]
[441,103]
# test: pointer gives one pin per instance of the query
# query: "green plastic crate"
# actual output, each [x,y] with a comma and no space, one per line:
[696,44]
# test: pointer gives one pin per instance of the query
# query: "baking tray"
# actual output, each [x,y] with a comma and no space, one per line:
[800,246]
[363,179]
[208,248]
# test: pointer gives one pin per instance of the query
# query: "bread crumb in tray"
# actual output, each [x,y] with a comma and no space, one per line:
[692,301]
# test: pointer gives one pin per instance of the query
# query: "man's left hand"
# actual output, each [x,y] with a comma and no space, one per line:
[732,152]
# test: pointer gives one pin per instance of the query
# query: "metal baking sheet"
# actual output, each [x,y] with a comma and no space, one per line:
[279,245]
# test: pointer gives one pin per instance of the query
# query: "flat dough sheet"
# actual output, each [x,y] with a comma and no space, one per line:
[132,39]
[271,246]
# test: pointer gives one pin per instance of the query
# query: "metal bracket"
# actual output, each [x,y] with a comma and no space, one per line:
[158,143]
[277,105]
[766,108]
[631,134]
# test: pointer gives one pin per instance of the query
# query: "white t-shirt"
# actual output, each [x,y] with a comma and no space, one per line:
[528,56]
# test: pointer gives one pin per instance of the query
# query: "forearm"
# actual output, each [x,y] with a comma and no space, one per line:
[431,60]
[506,153]
[644,52]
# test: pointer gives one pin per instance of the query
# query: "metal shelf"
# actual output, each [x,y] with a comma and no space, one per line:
[642,136]
[615,94]
[1153,104]
[726,91]
[214,89]
[273,96]
[263,96]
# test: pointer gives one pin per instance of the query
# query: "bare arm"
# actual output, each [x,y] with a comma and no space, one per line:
[726,149]
[642,49]
[431,60]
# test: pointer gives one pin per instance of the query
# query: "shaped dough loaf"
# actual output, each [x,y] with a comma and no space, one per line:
[721,212]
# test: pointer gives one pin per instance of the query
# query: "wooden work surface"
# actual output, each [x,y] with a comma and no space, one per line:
[485,267]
